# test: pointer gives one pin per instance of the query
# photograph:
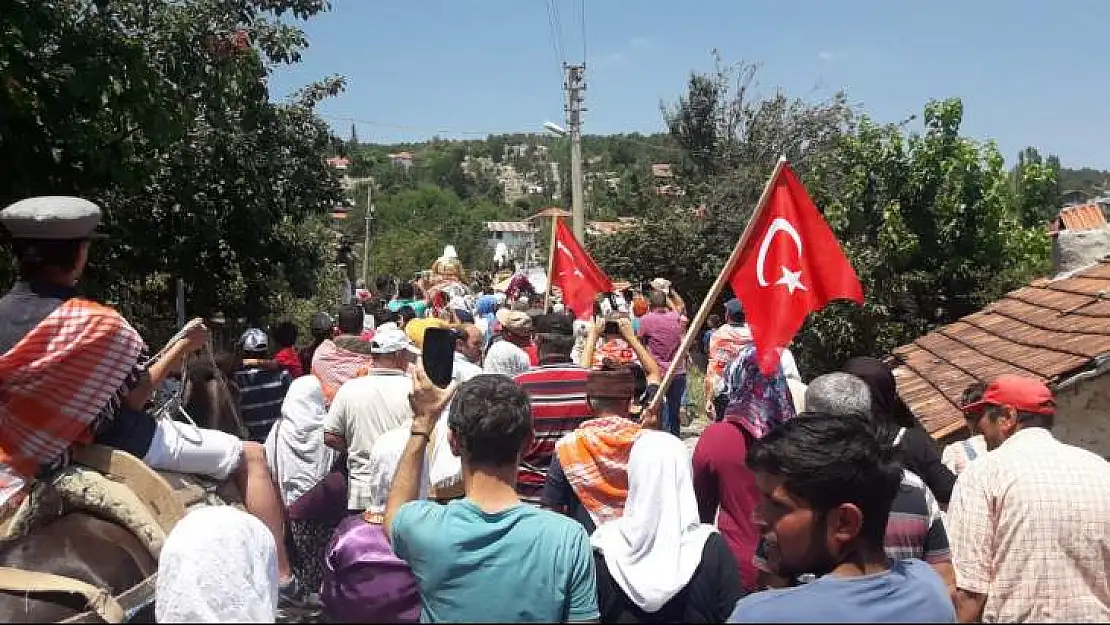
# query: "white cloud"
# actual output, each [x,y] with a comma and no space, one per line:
[831,55]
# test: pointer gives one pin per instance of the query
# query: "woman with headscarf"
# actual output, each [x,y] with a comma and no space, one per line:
[485,317]
[658,563]
[218,565]
[295,447]
[317,501]
[722,481]
[896,425]
[364,581]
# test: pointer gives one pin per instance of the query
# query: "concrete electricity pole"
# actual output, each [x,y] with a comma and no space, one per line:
[366,237]
[574,85]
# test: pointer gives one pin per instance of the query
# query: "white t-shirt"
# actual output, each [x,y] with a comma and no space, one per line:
[363,410]
[507,359]
[463,369]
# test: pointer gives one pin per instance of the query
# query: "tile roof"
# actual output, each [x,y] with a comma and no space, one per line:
[509,226]
[1081,217]
[662,170]
[553,211]
[1050,329]
[609,227]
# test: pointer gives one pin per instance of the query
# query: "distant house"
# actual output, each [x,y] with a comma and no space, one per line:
[610,227]
[401,159]
[662,170]
[670,190]
[339,162]
[518,236]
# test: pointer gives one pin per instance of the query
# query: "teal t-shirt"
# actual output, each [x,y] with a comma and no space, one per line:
[521,565]
[418,306]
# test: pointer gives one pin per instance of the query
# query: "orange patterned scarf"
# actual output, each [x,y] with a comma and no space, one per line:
[333,366]
[595,460]
[56,381]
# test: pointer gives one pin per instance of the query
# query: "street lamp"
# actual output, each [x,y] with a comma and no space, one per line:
[555,128]
[578,211]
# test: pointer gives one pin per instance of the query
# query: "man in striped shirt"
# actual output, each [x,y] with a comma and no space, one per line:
[262,387]
[557,390]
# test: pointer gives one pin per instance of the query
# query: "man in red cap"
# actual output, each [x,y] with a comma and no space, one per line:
[1029,521]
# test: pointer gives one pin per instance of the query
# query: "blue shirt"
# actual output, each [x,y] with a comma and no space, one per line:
[910,592]
[521,565]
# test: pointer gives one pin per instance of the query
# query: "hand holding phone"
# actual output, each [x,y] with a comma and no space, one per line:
[438,355]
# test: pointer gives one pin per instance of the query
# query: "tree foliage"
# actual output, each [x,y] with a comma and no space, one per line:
[932,222]
[158,110]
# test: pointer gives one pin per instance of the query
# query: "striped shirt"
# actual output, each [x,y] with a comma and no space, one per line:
[261,393]
[558,395]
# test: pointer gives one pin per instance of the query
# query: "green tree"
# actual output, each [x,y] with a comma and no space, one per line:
[931,221]
[1036,184]
[932,226]
[158,110]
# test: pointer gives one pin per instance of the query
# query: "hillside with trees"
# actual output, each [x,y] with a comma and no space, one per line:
[934,222]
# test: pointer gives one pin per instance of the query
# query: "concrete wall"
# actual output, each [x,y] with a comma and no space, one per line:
[1083,415]
[1076,250]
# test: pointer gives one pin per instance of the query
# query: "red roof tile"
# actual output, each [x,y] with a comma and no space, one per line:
[1050,329]
[1078,218]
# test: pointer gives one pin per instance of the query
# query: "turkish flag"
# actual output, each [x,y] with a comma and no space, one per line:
[791,265]
[575,273]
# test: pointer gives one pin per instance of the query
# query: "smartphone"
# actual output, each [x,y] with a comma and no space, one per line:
[438,355]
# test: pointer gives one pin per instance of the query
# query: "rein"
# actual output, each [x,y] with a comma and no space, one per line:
[174,406]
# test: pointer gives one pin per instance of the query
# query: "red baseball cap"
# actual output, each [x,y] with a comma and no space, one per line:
[1022,393]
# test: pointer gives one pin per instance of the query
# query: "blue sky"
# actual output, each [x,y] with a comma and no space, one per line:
[1029,72]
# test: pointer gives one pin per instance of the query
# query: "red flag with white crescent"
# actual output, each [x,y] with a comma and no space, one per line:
[791,266]
[575,273]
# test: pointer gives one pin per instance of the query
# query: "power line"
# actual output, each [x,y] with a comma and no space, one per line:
[583,15]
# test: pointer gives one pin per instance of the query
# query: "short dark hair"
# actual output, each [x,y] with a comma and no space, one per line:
[973,393]
[285,334]
[491,417]
[35,255]
[1030,419]
[551,344]
[407,313]
[829,460]
[383,284]
[350,319]
[405,290]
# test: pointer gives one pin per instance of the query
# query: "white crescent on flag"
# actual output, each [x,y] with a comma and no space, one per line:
[564,250]
[792,280]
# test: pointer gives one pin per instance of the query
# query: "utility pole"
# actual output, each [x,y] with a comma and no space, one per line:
[366,237]
[574,85]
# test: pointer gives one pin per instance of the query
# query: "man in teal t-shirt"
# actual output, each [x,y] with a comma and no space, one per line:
[488,557]
[406,296]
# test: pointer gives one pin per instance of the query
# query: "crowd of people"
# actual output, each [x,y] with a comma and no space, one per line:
[548,481]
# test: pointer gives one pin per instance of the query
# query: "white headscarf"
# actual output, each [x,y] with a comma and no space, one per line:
[295,448]
[219,564]
[653,550]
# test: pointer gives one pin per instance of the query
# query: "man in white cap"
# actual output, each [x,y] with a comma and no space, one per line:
[73,371]
[369,406]
[508,354]
[262,385]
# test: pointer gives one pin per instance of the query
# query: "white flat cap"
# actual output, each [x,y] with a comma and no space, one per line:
[55,217]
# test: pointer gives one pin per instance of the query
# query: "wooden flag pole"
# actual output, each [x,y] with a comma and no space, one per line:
[550,266]
[715,290]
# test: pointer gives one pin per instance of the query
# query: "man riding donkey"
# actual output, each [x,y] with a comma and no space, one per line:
[75,372]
